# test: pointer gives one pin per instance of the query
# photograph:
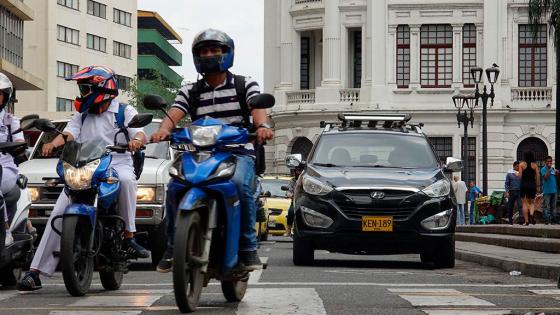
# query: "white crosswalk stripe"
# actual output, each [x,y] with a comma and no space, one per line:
[301,301]
[439,297]
[95,312]
[546,292]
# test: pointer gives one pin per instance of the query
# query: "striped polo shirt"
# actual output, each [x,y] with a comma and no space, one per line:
[220,102]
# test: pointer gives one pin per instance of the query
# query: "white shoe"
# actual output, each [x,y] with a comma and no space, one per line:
[9,239]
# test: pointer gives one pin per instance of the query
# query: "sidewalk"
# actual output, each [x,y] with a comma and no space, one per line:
[534,250]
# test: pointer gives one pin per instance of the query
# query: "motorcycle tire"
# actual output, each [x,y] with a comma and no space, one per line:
[111,280]
[187,277]
[77,273]
[234,290]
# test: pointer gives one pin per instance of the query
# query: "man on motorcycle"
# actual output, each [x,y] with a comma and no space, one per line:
[8,168]
[96,119]
[217,95]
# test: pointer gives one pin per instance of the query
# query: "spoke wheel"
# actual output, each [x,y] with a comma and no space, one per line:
[187,276]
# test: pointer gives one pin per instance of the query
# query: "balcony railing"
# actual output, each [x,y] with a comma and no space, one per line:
[531,95]
[307,1]
[301,97]
[349,95]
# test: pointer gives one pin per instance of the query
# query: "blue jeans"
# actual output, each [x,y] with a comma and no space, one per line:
[549,208]
[244,179]
[460,214]
[471,213]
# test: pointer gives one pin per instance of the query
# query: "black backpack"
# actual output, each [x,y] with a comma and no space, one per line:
[241,91]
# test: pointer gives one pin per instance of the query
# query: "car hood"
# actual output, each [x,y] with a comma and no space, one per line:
[36,169]
[375,177]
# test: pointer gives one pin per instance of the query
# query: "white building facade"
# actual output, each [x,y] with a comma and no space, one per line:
[67,35]
[323,57]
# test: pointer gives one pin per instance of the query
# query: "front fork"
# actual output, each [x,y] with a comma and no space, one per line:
[212,223]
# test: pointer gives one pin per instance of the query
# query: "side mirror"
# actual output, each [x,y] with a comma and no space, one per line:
[154,102]
[262,101]
[266,194]
[29,117]
[140,120]
[45,125]
[285,188]
[28,123]
[294,161]
[453,165]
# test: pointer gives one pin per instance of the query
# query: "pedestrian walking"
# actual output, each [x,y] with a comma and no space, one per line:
[530,185]
[550,189]
[513,194]
[460,189]
[474,192]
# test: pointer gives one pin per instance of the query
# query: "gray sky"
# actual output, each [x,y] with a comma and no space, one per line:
[241,19]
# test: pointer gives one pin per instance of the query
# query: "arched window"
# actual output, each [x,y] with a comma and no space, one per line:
[536,145]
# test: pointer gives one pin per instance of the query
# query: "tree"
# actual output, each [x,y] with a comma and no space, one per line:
[548,12]
[156,84]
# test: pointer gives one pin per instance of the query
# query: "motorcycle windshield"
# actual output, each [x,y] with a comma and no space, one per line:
[79,153]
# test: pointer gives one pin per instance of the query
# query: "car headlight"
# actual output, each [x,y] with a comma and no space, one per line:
[33,193]
[315,187]
[225,169]
[204,136]
[79,178]
[438,221]
[145,194]
[438,189]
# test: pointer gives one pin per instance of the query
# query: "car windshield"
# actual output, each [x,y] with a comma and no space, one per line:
[374,150]
[153,150]
[275,187]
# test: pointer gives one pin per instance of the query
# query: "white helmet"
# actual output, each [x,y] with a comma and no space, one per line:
[7,88]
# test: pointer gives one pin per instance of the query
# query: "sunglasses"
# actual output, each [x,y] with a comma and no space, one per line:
[85,89]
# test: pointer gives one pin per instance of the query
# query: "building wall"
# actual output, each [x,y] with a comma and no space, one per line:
[43,50]
[518,113]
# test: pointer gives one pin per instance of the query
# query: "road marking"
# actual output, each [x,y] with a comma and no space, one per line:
[95,312]
[439,297]
[256,275]
[301,301]
[465,312]
[143,291]
[546,292]
[120,301]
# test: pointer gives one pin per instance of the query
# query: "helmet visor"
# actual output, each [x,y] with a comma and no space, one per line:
[85,89]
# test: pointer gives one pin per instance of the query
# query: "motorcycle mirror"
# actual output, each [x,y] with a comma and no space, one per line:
[29,117]
[262,101]
[285,188]
[28,123]
[140,120]
[45,125]
[154,102]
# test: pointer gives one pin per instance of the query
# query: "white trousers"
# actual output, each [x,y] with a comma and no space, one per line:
[9,179]
[44,259]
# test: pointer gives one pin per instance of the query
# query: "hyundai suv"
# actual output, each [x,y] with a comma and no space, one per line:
[373,184]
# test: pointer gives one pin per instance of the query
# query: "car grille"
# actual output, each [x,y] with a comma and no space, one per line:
[49,194]
[399,204]
[273,211]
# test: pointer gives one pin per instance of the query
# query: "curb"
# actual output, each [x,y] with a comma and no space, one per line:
[548,245]
[527,269]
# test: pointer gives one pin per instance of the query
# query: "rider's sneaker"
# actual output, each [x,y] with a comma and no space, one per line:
[134,250]
[249,260]
[29,282]
[166,263]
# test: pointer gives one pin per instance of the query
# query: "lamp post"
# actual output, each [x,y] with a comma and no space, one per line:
[464,117]
[492,76]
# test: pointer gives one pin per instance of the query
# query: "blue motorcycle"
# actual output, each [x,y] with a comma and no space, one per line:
[208,213]
[92,230]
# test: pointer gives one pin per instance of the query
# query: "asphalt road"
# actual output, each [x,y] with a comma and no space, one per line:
[338,284]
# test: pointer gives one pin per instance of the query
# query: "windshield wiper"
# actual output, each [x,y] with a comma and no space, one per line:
[326,164]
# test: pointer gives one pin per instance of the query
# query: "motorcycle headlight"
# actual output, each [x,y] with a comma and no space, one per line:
[438,189]
[226,169]
[438,221]
[79,178]
[315,187]
[204,136]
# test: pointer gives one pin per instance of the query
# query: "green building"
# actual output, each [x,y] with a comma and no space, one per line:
[156,55]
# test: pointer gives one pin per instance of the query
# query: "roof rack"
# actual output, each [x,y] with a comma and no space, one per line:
[374,121]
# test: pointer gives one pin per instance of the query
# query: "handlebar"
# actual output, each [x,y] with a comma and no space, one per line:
[121,148]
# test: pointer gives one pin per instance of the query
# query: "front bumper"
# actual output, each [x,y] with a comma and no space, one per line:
[278,224]
[345,234]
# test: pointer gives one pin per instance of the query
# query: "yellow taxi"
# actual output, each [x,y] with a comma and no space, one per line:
[278,203]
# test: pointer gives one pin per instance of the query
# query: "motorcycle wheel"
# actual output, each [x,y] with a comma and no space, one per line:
[187,277]
[76,263]
[234,290]
[111,280]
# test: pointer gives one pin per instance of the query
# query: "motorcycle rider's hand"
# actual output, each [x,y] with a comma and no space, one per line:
[134,145]
[47,149]
[160,135]
[264,134]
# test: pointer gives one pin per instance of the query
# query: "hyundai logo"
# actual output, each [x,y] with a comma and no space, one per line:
[377,195]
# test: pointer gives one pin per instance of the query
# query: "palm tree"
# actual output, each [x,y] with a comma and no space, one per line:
[548,12]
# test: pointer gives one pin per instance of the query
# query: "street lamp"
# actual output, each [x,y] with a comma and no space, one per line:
[464,117]
[492,76]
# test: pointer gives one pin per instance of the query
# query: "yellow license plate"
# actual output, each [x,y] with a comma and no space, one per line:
[377,224]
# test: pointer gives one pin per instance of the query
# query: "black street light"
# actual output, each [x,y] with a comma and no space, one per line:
[464,117]
[492,76]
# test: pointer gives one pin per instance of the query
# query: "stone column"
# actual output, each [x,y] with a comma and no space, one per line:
[457,55]
[367,61]
[331,45]
[286,47]
[392,54]
[414,56]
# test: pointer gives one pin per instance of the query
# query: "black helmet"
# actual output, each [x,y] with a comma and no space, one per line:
[211,37]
